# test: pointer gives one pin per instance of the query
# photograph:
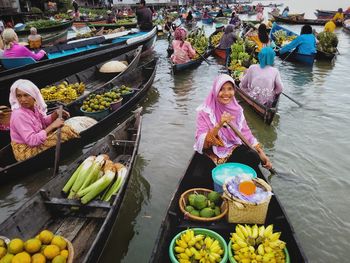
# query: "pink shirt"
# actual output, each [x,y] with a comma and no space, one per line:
[262,84]
[28,127]
[18,50]
[182,54]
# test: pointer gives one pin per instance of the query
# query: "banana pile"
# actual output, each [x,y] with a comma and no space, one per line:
[192,248]
[281,37]
[215,40]
[240,59]
[257,244]
[198,41]
[63,92]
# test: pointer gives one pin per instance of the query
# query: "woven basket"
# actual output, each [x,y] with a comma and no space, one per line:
[240,211]
[5,116]
[183,203]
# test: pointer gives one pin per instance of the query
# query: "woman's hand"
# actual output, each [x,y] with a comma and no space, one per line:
[226,118]
[57,123]
[265,160]
[65,114]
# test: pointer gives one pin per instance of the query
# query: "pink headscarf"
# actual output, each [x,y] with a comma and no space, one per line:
[180,33]
[30,88]
[209,114]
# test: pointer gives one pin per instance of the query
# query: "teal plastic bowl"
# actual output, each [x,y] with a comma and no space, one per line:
[223,171]
[232,260]
[198,231]
[98,115]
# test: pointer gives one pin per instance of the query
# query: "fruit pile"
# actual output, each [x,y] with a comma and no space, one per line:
[204,206]
[126,21]
[97,176]
[240,60]
[100,102]
[123,90]
[215,39]
[192,248]
[327,42]
[281,37]
[257,244]
[198,41]
[63,92]
[43,248]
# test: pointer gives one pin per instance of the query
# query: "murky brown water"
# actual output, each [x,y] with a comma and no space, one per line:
[310,142]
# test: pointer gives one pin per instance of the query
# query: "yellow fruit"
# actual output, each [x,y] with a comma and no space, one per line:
[32,245]
[64,253]
[7,258]
[51,251]
[15,246]
[22,257]
[2,243]
[59,259]
[46,236]
[2,252]
[38,258]
[59,241]
[42,249]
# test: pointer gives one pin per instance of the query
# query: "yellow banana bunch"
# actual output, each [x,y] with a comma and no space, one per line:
[197,248]
[215,40]
[254,244]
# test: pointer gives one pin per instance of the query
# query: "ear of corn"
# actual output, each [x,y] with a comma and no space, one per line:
[116,185]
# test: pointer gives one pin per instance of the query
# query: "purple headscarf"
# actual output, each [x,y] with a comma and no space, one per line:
[209,114]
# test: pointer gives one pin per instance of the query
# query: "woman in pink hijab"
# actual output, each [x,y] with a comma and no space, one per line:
[183,51]
[221,144]
[31,129]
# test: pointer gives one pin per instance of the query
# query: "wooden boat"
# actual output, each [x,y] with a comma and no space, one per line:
[173,223]
[300,21]
[273,5]
[176,68]
[132,24]
[305,59]
[267,113]
[87,227]
[55,38]
[328,14]
[93,79]
[208,20]
[48,71]
[83,23]
[60,27]
[346,27]
[140,80]
[218,52]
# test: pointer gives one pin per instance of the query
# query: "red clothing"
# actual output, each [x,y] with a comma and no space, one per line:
[183,52]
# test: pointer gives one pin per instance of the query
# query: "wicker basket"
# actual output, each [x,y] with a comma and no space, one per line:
[240,211]
[183,203]
[5,116]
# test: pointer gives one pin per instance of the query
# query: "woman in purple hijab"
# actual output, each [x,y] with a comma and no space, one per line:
[218,144]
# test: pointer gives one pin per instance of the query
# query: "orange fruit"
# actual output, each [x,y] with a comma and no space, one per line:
[247,187]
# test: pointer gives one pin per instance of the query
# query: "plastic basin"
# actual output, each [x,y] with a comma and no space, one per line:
[223,171]
[198,231]
[116,105]
[98,115]
[232,260]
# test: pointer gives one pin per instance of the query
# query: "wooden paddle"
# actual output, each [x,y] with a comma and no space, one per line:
[296,102]
[245,141]
[58,145]
[202,57]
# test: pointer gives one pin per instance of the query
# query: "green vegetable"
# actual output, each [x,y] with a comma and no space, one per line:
[117,184]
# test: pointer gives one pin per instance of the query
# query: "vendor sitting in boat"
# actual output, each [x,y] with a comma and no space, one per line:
[339,16]
[218,144]
[31,129]
[189,17]
[183,50]
[262,82]
[260,37]
[220,13]
[330,26]
[305,43]
[235,21]
[12,49]
[285,12]
[34,39]
[110,17]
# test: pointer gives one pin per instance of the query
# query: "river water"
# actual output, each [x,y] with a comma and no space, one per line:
[309,142]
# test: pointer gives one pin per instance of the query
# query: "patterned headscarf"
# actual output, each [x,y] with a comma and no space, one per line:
[30,88]
[180,34]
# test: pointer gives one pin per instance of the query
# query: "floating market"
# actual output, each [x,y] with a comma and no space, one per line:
[180,132]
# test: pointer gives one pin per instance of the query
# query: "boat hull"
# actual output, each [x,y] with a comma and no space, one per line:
[60,27]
